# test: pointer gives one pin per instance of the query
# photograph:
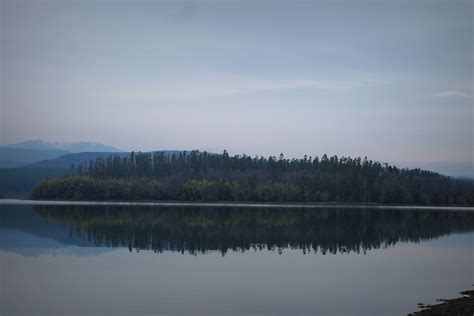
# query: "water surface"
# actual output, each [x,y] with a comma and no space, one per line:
[221,260]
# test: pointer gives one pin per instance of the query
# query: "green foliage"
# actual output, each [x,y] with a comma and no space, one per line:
[199,190]
[89,188]
[199,176]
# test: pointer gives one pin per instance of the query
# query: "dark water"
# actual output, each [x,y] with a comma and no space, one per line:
[175,260]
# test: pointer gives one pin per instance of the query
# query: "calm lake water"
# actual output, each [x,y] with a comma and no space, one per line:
[216,260]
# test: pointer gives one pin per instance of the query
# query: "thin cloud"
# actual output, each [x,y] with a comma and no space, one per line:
[454,93]
[231,85]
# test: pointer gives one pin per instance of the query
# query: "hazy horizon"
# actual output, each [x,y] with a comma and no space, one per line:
[392,81]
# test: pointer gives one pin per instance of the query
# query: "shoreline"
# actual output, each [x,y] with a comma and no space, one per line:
[333,205]
[463,305]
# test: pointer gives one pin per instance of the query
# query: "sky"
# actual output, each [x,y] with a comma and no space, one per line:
[391,80]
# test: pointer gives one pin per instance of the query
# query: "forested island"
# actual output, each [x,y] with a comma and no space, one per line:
[202,176]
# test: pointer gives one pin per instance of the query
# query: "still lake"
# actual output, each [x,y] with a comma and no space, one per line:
[217,260]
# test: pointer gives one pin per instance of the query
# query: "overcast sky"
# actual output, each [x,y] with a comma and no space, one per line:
[391,80]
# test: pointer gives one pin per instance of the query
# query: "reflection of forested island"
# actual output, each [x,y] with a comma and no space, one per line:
[198,229]
[199,176]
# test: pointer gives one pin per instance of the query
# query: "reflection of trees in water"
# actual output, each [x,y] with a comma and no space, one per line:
[199,229]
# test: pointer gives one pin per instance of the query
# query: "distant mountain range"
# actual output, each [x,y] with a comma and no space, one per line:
[24,164]
[65,161]
[17,157]
[76,147]
[31,151]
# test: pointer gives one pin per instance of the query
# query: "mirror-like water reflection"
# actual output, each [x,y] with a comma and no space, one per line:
[264,261]
[199,229]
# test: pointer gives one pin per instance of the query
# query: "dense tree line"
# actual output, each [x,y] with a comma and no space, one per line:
[201,229]
[200,176]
